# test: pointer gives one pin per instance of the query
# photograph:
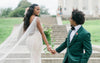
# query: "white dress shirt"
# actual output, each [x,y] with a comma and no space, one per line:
[74,31]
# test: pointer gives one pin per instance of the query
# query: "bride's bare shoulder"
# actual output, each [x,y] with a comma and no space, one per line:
[38,22]
[37,19]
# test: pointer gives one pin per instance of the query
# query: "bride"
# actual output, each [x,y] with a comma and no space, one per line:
[34,40]
[30,31]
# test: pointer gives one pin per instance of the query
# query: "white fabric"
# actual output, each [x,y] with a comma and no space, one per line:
[33,41]
[74,31]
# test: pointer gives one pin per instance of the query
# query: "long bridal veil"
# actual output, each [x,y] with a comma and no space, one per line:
[16,37]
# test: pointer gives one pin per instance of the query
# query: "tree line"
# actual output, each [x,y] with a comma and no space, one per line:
[20,9]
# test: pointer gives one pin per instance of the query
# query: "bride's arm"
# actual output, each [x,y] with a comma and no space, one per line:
[42,33]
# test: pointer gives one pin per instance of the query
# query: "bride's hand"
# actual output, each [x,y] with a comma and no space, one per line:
[49,48]
[53,52]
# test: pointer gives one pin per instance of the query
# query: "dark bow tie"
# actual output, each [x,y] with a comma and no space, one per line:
[72,28]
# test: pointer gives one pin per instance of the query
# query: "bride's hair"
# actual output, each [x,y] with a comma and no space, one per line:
[29,13]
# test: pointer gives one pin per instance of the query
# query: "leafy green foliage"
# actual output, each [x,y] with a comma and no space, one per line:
[24,4]
[20,9]
[19,12]
[47,32]
[5,12]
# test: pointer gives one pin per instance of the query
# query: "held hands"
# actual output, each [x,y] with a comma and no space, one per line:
[53,52]
[50,50]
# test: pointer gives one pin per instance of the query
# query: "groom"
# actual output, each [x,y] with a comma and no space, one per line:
[78,41]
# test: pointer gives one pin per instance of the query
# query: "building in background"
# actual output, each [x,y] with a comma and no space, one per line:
[91,8]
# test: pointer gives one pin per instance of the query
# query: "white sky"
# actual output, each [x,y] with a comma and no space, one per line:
[50,4]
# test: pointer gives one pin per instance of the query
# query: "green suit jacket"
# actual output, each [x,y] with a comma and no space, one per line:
[75,49]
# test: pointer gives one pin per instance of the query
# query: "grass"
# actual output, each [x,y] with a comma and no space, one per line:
[6,26]
[93,26]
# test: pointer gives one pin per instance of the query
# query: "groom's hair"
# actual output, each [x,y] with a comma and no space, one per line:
[78,16]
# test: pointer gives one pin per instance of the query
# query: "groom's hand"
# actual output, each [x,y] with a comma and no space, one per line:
[53,52]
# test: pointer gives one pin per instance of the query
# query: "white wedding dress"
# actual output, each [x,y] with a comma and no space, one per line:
[32,38]
[34,43]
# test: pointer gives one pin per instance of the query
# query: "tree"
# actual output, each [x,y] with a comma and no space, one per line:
[19,11]
[24,4]
[5,12]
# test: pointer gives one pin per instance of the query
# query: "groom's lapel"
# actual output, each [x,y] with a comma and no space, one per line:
[68,42]
[75,36]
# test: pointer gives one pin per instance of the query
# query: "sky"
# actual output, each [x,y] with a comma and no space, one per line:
[50,4]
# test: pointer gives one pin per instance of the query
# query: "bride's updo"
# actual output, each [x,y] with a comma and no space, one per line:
[28,14]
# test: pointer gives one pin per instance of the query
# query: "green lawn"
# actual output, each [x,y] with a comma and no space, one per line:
[6,26]
[93,26]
